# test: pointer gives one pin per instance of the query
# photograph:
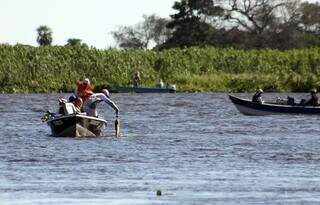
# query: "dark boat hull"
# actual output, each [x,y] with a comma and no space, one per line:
[143,90]
[248,107]
[76,125]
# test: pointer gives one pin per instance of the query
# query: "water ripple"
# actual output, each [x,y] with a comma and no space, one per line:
[195,148]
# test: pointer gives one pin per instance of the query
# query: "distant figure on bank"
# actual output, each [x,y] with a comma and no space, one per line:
[136,79]
[84,89]
[161,84]
[91,104]
[257,96]
[313,101]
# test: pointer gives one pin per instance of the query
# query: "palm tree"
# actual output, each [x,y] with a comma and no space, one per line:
[44,35]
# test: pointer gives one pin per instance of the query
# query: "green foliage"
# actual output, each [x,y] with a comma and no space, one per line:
[75,42]
[56,68]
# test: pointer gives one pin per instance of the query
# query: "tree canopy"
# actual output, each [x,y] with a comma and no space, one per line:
[152,30]
[75,42]
[245,24]
[280,24]
[44,37]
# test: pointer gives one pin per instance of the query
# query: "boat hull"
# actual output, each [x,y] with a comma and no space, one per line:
[76,125]
[143,90]
[248,107]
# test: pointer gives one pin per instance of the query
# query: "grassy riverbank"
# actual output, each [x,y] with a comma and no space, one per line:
[55,69]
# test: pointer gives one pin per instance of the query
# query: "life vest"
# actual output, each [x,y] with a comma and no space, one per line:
[84,91]
[78,104]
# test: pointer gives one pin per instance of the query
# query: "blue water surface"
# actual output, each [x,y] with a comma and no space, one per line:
[195,148]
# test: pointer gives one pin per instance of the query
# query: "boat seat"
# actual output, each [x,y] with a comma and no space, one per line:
[69,109]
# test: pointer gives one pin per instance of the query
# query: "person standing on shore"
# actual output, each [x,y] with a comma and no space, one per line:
[136,79]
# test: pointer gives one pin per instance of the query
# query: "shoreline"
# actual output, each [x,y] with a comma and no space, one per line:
[25,69]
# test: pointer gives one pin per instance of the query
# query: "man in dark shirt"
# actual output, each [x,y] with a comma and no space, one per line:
[257,96]
[313,101]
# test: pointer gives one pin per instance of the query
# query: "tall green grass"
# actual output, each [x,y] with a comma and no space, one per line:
[55,69]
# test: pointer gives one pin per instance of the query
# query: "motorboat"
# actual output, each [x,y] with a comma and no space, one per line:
[247,107]
[132,89]
[70,123]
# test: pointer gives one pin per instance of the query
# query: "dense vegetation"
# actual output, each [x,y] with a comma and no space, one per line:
[55,69]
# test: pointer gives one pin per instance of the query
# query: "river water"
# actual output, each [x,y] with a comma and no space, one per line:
[194,148]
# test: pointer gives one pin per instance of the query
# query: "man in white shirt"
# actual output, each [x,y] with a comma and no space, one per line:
[91,104]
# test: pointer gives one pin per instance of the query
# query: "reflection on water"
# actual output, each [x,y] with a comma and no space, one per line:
[195,148]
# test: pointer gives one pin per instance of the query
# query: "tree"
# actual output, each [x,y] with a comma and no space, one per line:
[75,42]
[189,24]
[280,24]
[140,36]
[254,16]
[129,37]
[156,28]
[310,17]
[191,32]
[44,35]
[300,29]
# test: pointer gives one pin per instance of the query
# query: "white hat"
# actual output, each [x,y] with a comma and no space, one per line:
[86,81]
[106,92]
[313,90]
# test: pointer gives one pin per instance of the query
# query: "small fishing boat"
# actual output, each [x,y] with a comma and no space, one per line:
[132,89]
[248,107]
[73,124]
[76,125]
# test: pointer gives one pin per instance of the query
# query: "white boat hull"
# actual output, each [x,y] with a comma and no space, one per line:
[76,125]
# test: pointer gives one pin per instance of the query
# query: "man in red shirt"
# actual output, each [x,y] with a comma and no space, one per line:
[84,89]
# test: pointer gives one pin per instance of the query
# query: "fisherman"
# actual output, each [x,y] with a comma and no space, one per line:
[91,104]
[136,79]
[77,102]
[84,89]
[257,96]
[161,84]
[314,100]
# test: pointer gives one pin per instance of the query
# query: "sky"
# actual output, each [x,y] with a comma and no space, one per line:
[88,20]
